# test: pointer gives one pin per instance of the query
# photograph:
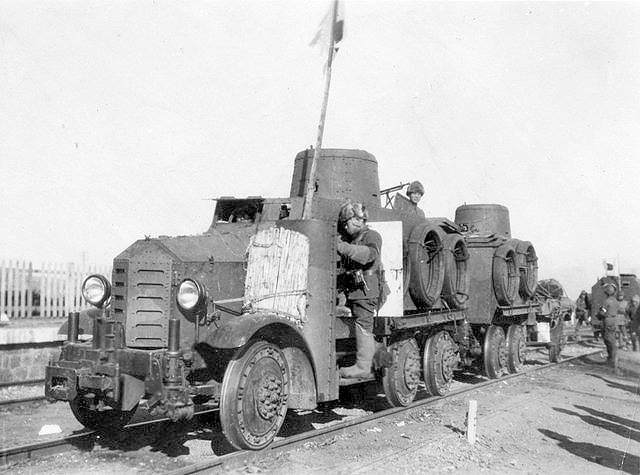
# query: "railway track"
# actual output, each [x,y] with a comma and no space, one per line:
[87,439]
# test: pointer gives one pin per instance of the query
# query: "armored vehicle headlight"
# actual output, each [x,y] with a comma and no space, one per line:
[96,290]
[191,295]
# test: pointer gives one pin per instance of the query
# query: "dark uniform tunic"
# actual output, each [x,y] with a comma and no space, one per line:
[582,310]
[360,281]
[609,313]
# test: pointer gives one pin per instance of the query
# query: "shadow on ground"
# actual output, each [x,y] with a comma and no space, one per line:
[597,454]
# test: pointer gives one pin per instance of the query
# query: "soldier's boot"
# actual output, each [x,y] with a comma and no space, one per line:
[366,347]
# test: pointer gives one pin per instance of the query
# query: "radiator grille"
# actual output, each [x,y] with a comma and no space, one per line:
[142,292]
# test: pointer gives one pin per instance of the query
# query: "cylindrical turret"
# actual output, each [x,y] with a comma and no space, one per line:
[484,219]
[340,174]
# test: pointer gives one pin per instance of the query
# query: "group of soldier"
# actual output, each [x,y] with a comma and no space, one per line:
[620,320]
[359,248]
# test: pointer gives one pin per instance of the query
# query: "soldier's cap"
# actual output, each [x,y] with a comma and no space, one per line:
[609,288]
[415,187]
[350,209]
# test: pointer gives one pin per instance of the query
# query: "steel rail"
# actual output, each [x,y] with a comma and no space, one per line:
[24,452]
[13,454]
[8,402]
[292,441]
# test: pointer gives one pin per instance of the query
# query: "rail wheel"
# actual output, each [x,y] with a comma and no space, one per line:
[495,352]
[400,380]
[439,362]
[516,346]
[253,400]
[555,347]
[106,420]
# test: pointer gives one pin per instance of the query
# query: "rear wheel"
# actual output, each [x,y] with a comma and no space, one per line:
[99,419]
[516,347]
[253,401]
[495,352]
[439,362]
[400,380]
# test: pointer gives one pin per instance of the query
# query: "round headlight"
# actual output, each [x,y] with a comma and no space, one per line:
[190,295]
[96,290]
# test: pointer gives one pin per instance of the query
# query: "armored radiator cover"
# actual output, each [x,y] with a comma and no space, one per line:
[142,301]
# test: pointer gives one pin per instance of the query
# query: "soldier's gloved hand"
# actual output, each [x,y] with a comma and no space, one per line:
[355,252]
[342,247]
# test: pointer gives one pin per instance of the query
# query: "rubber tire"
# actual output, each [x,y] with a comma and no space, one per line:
[456,282]
[400,381]
[101,421]
[505,273]
[255,364]
[437,364]
[427,264]
[516,345]
[494,352]
[528,264]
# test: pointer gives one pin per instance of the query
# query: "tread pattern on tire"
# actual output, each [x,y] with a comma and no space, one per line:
[505,273]
[427,264]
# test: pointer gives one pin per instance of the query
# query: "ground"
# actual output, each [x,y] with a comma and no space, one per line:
[575,418]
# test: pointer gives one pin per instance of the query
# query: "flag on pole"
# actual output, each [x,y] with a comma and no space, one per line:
[330,32]
[610,266]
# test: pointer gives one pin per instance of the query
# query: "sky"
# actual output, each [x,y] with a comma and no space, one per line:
[123,119]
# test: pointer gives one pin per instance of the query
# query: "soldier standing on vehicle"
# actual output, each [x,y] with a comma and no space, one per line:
[608,313]
[415,192]
[359,249]
[582,311]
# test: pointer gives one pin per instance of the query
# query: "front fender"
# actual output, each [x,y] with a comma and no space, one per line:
[238,331]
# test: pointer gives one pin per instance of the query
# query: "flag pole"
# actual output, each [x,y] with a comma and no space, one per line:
[311,182]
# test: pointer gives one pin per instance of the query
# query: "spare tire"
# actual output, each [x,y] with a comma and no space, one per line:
[455,287]
[528,265]
[506,275]
[426,261]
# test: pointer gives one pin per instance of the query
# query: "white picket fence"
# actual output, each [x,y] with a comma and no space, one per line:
[51,290]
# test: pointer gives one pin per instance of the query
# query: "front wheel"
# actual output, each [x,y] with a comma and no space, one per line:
[253,400]
[106,420]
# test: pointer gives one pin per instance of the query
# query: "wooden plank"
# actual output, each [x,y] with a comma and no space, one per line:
[42,289]
[3,287]
[30,290]
[23,289]
[59,289]
[10,291]
[48,291]
[471,421]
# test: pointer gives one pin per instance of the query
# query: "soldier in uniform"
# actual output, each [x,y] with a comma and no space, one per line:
[633,314]
[621,333]
[415,192]
[359,249]
[582,311]
[608,313]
